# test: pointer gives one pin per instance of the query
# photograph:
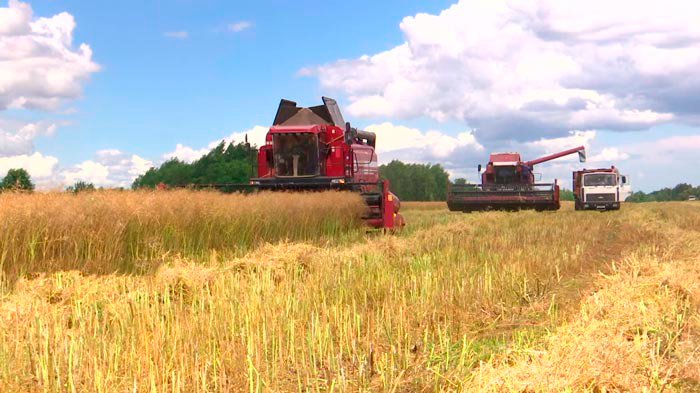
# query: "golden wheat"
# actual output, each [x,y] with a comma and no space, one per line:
[105,232]
[578,301]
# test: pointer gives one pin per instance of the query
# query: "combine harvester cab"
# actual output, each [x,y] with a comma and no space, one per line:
[313,148]
[507,183]
[600,189]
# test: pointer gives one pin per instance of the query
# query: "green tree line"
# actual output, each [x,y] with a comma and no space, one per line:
[17,179]
[416,182]
[680,192]
[232,163]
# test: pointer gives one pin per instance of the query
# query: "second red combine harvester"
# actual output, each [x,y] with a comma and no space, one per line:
[314,148]
[508,183]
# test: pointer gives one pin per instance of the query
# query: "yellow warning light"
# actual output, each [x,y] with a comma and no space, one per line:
[394,215]
[389,198]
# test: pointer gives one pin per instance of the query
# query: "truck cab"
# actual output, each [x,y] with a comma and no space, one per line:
[600,189]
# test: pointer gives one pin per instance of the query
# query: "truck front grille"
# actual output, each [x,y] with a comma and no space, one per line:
[600,198]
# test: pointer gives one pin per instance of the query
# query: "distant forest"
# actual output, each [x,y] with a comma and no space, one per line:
[416,182]
[234,163]
[681,192]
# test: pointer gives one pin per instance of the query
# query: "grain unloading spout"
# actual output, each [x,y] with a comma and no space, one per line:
[581,150]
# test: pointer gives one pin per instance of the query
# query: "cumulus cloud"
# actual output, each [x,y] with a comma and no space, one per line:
[37,164]
[256,136]
[185,153]
[525,70]
[240,26]
[672,149]
[17,138]
[87,171]
[39,68]
[609,154]
[664,162]
[554,145]
[413,145]
[181,35]
[110,168]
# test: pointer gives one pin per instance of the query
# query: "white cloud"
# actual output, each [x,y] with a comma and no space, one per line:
[39,68]
[669,150]
[528,69]
[37,164]
[110,168]
[256,136]
[609,154]
[181,35]
[305,71]
[429,146]
[457,154]
[555,145]
[240,26]
[659,163]
[17,138]
[689,144]
[87,171]
[13,18]
[185,153]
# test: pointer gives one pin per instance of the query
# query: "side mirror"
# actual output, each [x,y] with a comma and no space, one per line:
[624,179]
[479,168]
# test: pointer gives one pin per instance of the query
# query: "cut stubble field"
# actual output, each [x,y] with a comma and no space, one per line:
[199,292]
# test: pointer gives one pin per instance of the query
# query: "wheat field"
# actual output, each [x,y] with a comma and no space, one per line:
[203,292]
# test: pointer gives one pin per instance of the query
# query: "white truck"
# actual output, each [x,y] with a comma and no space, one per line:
[600,189]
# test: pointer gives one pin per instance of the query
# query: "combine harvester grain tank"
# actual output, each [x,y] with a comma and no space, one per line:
[508,183]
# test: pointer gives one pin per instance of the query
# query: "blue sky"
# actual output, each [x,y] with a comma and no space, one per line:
[439,81]
[154,91]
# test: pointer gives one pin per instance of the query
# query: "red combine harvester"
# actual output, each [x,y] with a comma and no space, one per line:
[314,149]
[508,183]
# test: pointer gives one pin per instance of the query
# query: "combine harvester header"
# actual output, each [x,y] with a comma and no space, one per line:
[508,183]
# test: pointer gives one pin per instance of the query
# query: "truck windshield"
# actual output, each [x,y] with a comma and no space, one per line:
[296,154]
[599,179]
